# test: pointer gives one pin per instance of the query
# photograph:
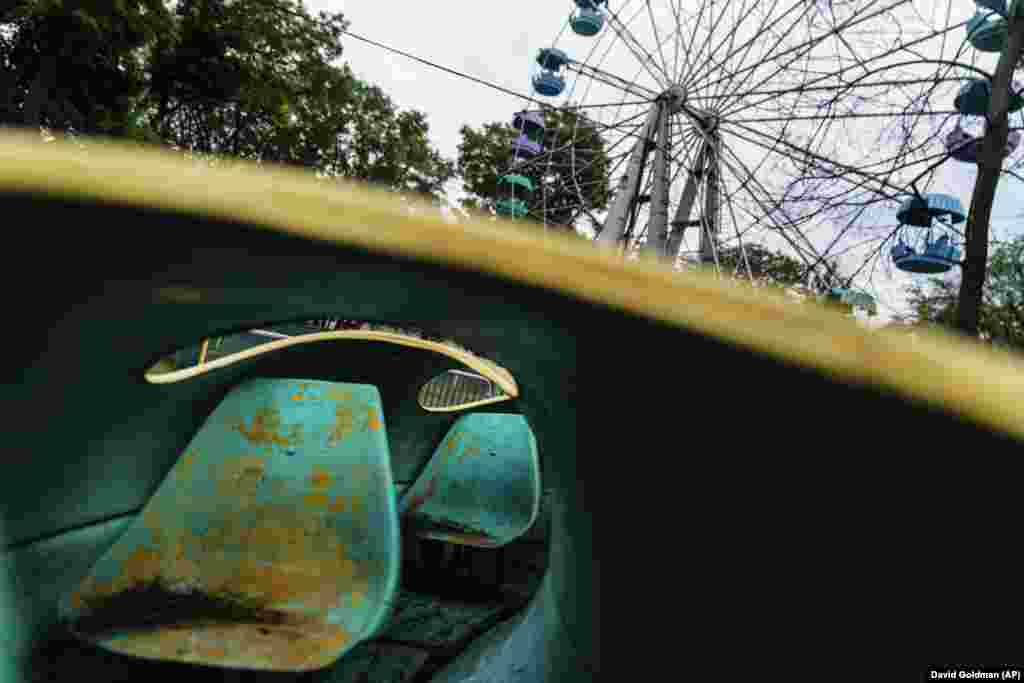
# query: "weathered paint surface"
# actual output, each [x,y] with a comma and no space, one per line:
[482,486]
[271,544]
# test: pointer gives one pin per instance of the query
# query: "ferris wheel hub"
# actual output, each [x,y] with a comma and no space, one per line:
[675,97]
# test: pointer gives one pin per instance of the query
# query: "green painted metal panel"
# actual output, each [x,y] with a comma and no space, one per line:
[482,487]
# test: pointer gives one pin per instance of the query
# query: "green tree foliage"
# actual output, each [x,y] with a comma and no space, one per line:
[775,269]
[573,173]
[1001,314]
[762,265]
[252,79]
[76,64]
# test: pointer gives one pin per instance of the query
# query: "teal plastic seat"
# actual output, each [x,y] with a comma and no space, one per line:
[272,544]
[482,485]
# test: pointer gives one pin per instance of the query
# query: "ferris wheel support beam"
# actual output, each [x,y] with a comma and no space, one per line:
[682,217]
[629,184]
[657,230]
[700,125]
[709,228]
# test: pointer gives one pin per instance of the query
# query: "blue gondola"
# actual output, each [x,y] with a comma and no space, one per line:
[924,243]
[853,298]
[936,257]
[547,78]
[965,147]
[919,212]
[529,122]
[975,95]
[987,31]
[588,19]
[994,5]
[524,147]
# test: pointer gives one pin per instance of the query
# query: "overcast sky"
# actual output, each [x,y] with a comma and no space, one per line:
[496,42]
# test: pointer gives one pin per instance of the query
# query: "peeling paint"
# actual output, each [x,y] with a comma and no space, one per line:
[339,395]
[344,424]
[373,421]
[318,500]
[263,430]
[320,479]
[184,466]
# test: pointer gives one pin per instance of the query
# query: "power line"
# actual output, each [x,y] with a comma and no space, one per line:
[494,86]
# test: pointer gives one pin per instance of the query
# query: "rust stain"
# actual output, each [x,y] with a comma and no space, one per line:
[339,395]
[320,479]
[263,430]
[357,598]
[210,651]
[373,422]
[151,520]
[357,505]
[143,565]
[318,500]
[478,540]
[184,465]
[338,505]
[344,424]
[241,476]
[297,397]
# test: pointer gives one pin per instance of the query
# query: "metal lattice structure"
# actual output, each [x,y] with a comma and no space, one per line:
[792,124]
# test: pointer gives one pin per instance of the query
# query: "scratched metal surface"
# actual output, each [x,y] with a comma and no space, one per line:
[272,543]
[482,485]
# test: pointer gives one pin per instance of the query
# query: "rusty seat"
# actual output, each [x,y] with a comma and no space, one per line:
[482,485]
[272,543]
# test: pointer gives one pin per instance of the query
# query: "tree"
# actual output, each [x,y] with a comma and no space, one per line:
[571,177]
[1000,315]
[253,80]
[272,94]
[76,64]
[765,266]
[990,168]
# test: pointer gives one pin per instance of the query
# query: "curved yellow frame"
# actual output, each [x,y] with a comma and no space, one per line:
[943,371]
[492,371]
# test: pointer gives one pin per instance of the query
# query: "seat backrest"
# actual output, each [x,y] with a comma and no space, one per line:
[482,485]
[271,544]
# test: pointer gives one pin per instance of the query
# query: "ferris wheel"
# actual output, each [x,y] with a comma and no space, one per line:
[695,130]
